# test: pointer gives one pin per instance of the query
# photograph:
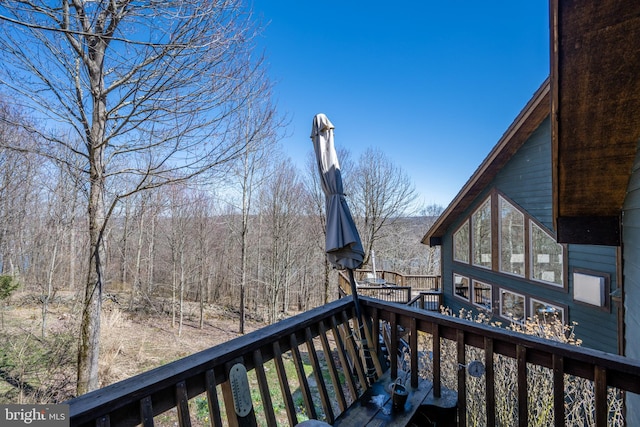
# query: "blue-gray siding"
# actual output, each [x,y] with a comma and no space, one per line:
[631,239]
[526,180]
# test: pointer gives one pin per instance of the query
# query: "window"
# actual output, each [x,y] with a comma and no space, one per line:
[511,230]
[512,306]
[544,312]
[482,295]
[501,237]
[461,286]
[461,243]
[481,237]
[546,257]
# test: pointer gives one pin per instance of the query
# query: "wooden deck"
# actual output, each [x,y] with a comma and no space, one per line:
[330,376]
[375,407]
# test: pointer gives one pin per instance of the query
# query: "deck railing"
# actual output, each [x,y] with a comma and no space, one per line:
[418,282]
[447,342]
[417,289]
[399,294]
[428,300]
[320,344]
[278,359]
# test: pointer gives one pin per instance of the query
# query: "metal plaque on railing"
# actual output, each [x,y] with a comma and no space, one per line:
[240,389]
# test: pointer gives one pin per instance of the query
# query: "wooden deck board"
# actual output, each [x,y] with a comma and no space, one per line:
[374,407]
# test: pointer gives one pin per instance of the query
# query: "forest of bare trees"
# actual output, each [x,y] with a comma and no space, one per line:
[184,241]
[145,164]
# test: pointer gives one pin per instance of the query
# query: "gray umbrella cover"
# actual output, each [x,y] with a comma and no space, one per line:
[343,244]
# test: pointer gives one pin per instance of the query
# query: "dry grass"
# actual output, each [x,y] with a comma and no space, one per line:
[131,342]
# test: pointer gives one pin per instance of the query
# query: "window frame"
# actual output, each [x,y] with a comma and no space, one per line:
[492,199]
[560,309]
[472,241]
[467,224]
[473,294]
[502,291]
[502,199]
[563,273]
[455,294]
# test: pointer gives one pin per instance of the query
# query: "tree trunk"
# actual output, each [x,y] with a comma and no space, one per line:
[182,279]
[135,286]
[89,345]
[47,296]
[124,254]
[151,253]
[88,348]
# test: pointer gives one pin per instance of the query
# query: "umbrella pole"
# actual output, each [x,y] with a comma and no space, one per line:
[354,294]
[363,340]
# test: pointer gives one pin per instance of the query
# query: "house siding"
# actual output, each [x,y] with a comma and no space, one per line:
[526,178]
[526,181]
[631,239]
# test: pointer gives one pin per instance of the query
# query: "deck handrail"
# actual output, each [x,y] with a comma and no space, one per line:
[427,300]
[430,299]
[418,282]
[157,391]
[604,369]
[172,385]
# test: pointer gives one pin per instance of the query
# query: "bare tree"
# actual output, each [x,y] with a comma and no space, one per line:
[282,201]
[381,192]
[250,171]
[17,170]
[145,93]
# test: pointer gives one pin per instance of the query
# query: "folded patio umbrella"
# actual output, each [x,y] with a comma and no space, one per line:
[343,244]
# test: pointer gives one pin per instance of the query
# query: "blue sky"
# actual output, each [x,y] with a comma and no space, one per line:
[433,84]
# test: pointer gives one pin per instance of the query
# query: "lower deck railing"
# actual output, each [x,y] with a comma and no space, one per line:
[418,282]
[501,377]
[429,298]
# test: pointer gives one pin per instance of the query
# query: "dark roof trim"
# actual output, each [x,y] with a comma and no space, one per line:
[529,119]
[592,230]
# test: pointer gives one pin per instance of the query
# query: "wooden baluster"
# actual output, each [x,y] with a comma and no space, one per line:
[317,372]
[370,353]
[523,395]
[558,390]
[413,344]
[342,355]
[302,378]
[375,332]
[435,350]
[462,379]
[263,384]
[146,412]
[284,384]
[393,351]
[237,395]
[182,404]
[490,389]
[600,389]
[212,398]
[350,339]
[331,365]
